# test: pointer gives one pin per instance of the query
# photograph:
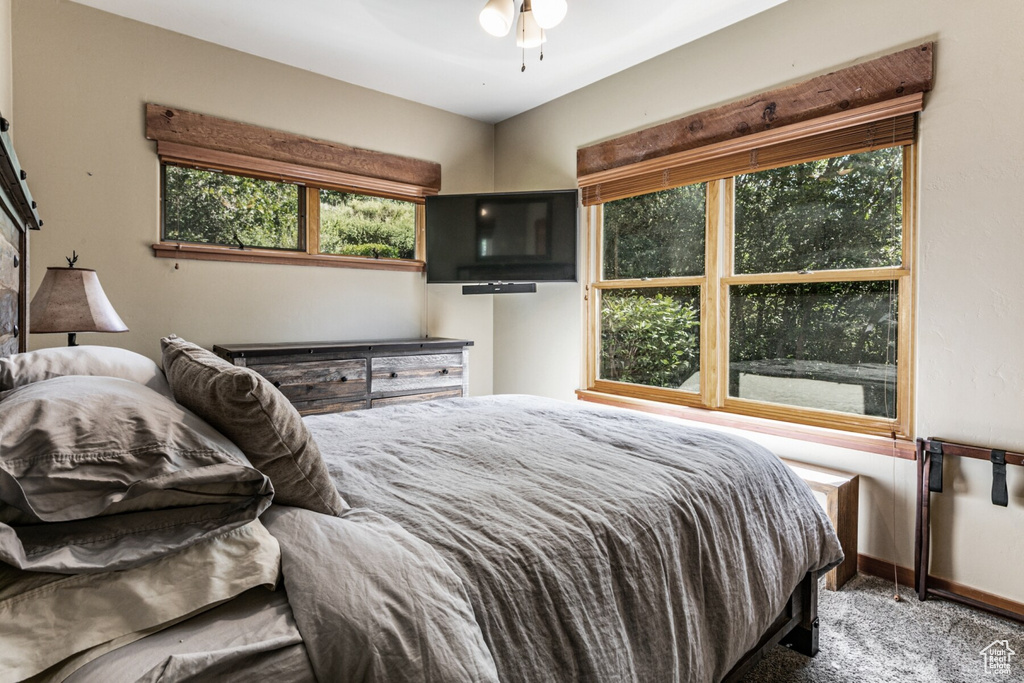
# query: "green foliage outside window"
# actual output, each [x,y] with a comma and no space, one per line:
[660,234]
[830,214]
[358,225]
[649,337]
[212,208]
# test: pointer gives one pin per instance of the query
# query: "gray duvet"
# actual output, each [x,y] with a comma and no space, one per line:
[591,544]
[519,540]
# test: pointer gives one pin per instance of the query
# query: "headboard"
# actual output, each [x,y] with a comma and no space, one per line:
[17,217]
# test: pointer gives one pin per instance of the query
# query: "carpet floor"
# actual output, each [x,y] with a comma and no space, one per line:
[867,637]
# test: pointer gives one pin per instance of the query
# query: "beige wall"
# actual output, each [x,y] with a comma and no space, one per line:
[83,77]
[970,364]
[6,71]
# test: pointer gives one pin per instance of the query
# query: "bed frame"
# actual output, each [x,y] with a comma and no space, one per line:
[796,627]
[17,216]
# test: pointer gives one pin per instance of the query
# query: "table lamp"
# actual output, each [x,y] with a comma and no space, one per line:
[71,300]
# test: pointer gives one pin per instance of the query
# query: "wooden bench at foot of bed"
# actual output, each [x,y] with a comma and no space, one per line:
[838,493]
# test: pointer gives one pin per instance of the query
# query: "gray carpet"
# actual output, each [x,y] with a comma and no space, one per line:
[866,636]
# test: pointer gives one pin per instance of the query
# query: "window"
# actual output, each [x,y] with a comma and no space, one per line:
[235,192]
[358,225]
[230,211]
[780,291]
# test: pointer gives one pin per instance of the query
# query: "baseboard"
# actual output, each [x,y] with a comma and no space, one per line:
[873,566]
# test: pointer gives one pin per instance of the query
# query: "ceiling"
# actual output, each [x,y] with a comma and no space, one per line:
[436,52]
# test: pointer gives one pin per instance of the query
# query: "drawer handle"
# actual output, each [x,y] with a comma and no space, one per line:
[394,375]
[444,371]
[344,379]
[277,384]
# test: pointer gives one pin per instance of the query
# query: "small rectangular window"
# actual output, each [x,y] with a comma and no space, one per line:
[228,195]
[211,207]
[361,225]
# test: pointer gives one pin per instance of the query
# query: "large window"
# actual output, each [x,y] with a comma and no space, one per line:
[781,293]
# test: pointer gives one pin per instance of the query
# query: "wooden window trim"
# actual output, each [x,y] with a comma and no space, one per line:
[210,252]
[880,445]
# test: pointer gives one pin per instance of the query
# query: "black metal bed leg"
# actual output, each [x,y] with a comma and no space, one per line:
[804,636]
[803,639]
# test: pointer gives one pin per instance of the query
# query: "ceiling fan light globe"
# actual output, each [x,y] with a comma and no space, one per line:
[549,13]
[496,17]
[528,33]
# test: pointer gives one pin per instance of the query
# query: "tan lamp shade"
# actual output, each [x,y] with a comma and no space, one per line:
[72,300]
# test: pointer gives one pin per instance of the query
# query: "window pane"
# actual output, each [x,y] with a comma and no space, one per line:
[844,212]
[655,235]
[815,345]
[651,336]
[359,225]
[220,208]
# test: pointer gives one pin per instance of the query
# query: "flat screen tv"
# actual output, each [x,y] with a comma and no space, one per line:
[502,237]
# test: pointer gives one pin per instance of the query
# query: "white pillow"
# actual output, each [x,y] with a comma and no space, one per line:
[98,361]
[102,473]
[45,618]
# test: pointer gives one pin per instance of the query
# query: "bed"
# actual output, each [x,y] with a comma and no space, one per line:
[476,539]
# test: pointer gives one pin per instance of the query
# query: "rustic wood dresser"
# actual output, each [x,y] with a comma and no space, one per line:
[331,377]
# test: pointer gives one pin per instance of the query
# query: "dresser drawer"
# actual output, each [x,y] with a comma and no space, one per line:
[416,398]
[392,374]
[329,405]
[317,380]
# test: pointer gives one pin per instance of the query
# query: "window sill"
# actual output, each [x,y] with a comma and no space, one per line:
[203,252]
[902,448]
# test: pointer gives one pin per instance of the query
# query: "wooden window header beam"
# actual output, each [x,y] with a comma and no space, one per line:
[279,171]
[892,76]
[170,125]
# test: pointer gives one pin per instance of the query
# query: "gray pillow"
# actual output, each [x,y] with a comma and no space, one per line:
[106,361]
[103,474]
[250,411]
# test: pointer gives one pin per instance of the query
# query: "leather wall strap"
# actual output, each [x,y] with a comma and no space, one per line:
[935,471]
[999,494]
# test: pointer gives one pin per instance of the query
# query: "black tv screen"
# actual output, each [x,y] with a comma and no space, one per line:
[506,237]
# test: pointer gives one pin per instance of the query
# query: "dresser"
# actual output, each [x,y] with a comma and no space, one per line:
[331,377]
